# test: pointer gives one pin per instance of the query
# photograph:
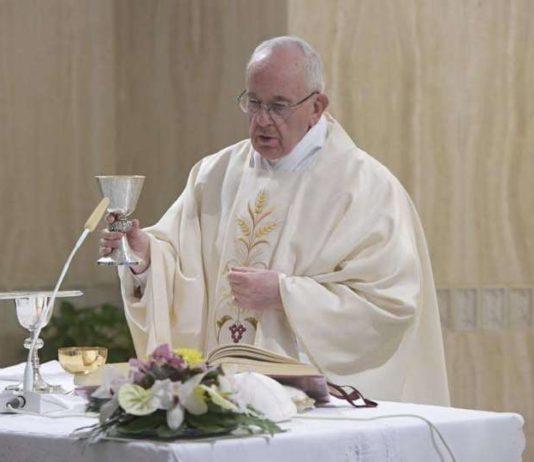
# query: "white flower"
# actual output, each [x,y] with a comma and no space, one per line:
[136,400]
[264,395]
[175,417]
[226,384]
[164,392]
[112,380]
[192,396]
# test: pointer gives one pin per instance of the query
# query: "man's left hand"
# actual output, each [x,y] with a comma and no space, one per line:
[255,289]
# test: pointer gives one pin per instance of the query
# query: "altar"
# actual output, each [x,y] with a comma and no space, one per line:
[389,432]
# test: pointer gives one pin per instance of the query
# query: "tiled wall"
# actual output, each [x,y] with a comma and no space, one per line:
[486,308]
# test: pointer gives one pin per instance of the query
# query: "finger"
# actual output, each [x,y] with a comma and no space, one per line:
[236,286]
[244,269]
[236,278]
[237,292]
[136,226]
[110,244]
[103,251]
[111,235]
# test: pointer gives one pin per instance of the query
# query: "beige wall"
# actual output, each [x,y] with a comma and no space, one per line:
[441,92]
[100,87]
[179,68]
[57,129]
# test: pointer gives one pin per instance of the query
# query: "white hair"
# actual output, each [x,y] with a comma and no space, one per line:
[313,66]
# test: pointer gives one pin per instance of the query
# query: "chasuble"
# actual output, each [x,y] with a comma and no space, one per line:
[355,276]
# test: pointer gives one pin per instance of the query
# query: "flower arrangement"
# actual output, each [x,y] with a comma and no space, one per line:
[173,394]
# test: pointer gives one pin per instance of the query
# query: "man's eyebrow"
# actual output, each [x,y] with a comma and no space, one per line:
[275,98]
[281,98]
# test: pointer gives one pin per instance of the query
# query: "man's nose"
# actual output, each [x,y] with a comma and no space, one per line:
[263,116]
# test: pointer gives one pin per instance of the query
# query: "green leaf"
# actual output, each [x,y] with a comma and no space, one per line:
[212,422]
[144,424]
[165,432]
[248,422]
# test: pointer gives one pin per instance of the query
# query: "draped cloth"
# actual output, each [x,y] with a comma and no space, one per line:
[355,276]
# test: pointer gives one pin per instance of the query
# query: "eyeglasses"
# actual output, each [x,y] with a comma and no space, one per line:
[280,109]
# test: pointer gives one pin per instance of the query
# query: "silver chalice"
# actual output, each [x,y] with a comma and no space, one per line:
[123,192]
[30,306]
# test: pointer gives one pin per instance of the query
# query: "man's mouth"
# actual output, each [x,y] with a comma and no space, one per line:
[267,139]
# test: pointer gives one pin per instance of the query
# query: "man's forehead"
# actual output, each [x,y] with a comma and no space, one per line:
[275,79]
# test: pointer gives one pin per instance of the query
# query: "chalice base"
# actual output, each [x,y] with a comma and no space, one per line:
[123,255]
[39,386]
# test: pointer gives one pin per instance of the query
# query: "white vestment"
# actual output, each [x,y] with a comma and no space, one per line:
[356,284]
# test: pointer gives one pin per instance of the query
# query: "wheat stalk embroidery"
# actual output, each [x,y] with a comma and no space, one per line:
[254,228]
[253,231]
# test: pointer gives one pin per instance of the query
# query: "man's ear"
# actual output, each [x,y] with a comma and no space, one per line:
[319,106]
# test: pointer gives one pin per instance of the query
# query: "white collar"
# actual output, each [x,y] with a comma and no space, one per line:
[301,156]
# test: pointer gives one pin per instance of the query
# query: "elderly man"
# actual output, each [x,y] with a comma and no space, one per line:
[296,241]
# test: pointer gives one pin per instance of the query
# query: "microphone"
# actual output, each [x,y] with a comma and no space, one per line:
[89,227]
[96,216]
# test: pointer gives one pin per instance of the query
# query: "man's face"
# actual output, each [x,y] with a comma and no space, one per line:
[277,77]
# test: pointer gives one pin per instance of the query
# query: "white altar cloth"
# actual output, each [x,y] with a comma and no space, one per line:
[471,435]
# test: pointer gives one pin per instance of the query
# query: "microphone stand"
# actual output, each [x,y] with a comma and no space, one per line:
[30,399]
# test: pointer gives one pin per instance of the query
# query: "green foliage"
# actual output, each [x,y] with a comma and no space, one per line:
[101,326]
[154,426]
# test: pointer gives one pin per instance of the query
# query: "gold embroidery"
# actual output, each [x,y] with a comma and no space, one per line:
[254,229]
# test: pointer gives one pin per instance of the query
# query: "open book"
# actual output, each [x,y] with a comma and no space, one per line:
[286,370]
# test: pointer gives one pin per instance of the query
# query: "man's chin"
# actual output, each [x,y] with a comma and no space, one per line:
[269,152]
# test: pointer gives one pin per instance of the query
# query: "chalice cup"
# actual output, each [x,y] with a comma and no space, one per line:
[30,307]
[123,192]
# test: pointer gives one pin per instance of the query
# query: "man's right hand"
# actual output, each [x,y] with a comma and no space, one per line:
[138,241]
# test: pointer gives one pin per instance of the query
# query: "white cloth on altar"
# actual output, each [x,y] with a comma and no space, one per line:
[358,297]
[471,435]
[56,404]
[52,370]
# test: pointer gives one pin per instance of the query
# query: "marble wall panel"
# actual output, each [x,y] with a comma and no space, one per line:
[57,129]
[493,370]
[105,87]
[520,308]
[441,93]
[180,67]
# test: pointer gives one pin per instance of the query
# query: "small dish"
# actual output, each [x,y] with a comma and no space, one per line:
[82,360]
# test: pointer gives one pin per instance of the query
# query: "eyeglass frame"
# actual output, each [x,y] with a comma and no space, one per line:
[268,106]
